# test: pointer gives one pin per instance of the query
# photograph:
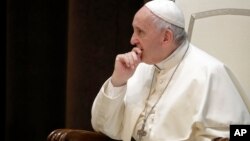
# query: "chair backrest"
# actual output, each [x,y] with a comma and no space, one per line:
[223,51]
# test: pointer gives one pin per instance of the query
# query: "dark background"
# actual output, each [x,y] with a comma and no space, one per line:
[57,55]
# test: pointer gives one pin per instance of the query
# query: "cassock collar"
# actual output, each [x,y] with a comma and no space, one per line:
[174,58]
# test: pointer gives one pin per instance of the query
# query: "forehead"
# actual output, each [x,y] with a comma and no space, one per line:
[143,17]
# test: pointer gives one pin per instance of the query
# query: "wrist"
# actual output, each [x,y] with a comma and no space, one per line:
[117,83]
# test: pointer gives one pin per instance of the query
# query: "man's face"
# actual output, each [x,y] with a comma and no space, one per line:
[147,37]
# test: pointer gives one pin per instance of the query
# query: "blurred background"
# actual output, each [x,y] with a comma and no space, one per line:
[58,53]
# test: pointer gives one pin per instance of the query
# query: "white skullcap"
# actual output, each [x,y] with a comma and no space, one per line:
[168,11]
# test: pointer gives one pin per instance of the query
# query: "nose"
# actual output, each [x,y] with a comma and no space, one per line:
[134,39]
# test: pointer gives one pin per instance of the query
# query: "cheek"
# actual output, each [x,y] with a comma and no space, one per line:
[151,43]
[149,49]
[153,49]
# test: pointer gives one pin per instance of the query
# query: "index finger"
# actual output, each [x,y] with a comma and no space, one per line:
[137,50]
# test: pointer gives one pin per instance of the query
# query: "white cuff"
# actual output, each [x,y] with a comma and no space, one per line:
[113,92]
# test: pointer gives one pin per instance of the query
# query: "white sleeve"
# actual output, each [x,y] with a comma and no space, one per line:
[113,92]
[108,110]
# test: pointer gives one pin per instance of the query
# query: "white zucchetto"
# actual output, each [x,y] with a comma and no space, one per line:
[168,11]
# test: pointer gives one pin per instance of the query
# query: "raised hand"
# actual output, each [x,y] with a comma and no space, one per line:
[125,66]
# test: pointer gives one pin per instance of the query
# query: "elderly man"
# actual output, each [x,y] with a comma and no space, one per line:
[166,89]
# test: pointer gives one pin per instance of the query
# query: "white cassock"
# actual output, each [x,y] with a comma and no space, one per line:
[200,102]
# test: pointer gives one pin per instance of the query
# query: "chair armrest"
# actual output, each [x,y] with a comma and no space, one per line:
[76,135]
[220,139]
[84,135]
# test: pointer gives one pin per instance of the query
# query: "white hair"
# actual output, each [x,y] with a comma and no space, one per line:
[179,33]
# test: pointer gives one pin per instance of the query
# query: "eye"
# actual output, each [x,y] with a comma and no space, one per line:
[139,32]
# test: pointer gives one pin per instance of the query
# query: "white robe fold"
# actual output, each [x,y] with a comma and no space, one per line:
[199,104]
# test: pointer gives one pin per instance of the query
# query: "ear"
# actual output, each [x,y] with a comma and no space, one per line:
[168,36]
